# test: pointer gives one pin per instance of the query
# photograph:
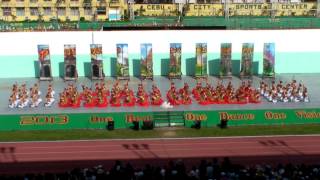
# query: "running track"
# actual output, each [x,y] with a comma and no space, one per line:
[65,155]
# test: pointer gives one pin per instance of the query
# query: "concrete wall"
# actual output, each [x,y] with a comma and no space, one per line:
[297,51]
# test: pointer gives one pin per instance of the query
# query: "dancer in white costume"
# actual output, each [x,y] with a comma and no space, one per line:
[50,96]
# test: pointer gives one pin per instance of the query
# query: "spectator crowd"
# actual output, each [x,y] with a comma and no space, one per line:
[176,170]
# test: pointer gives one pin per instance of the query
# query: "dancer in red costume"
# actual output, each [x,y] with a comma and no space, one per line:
[156,96]
[255,97]
[203,99]
[70,97]
[126,91]
[101,100]
[185,95]
[89,99]
[172,95]
[115,99]
[101,93]
[63,102]
[197,90]
[241,96]
[129,99]
[142,96]
[115,95]
[75,99]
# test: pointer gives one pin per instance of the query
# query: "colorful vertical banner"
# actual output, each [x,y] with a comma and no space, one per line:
[70,61]
[268,59]
[43,53]
[96,52]
[96,61]
[201,59]
[122,60]
[146,61]
[246,60]
[44,62]
[225,60]
[69,52]
[175,60]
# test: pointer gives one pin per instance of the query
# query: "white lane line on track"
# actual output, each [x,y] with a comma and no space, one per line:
[150,139]
[267,143]
[273,148]
[144,156]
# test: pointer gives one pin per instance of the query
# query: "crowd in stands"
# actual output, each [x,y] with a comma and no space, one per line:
[177,170]
[19,26]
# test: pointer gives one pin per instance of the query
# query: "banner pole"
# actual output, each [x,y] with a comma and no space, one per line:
[92,37]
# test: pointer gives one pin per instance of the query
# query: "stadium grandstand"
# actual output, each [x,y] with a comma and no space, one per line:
[48,15]
[178,170]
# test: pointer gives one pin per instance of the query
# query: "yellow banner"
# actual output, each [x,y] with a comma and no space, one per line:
[285,9]
[205,10]
[294,9]
[155,9]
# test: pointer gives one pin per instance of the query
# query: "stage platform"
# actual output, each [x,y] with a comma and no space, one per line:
[245,114]
[310,80]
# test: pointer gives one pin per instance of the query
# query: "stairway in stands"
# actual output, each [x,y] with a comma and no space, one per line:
[168,119]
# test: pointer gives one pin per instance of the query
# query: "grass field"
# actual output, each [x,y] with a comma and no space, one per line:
[158,133]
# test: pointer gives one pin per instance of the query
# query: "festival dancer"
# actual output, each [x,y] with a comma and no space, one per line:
[156,96]
[305,97]
[101,94]
[129,99]
[75,99]
[63,102]
[13,101]
[185,95]
[203,98]
[35,100]
[89,99]
[197,90]
[14,97]
[49,99]
[115,96]
[255,96]
[172,95]
[142,96]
